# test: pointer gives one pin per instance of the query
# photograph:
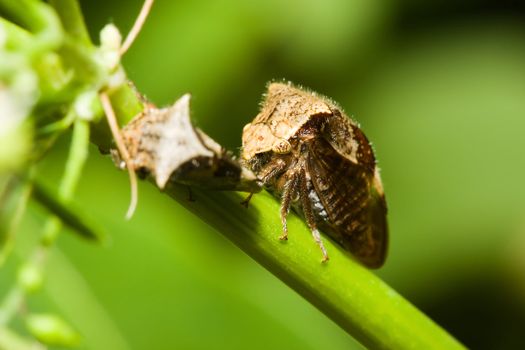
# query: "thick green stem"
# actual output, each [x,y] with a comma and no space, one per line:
[348,293]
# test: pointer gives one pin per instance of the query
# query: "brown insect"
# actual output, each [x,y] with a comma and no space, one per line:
[308,152]
[164,144]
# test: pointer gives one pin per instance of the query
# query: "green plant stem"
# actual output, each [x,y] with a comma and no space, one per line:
[78,153]
[348,293]
[14,299]
[72,20]
[39,18]
[16,213]
[57,127]
[11,304]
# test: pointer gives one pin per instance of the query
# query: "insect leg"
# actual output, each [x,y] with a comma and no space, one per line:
[246,200]
[272,170]
[308,213]
[290,191]
[268,173]
[190,195]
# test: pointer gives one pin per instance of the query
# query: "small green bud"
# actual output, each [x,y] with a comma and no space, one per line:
[30,277]
[110,38]
[52,330]
[86,105]
[50,231]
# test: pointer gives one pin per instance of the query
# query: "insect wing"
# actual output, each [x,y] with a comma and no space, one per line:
[353,200]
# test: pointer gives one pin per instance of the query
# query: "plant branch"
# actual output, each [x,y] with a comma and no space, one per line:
[348,293]
[39,18]
[13,212]
[72,19]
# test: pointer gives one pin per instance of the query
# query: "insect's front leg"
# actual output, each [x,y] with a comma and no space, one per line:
[290,192]
[272,170]
[268,173]
[308,213]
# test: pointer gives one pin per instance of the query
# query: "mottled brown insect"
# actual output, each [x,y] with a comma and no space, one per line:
[308,152]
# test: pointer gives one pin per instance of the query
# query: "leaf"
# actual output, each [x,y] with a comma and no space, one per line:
[69,215]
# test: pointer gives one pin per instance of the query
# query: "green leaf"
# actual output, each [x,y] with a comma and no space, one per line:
[69,215]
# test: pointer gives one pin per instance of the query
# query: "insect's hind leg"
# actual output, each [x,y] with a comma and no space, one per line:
[309,215]
[290,192]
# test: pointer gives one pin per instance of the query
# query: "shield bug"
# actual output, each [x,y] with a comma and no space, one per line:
[309,153]
[164,144]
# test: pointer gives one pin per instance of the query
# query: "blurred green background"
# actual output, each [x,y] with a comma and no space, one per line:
[438,86]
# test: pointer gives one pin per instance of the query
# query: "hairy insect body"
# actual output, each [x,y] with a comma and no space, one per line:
[308,153]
